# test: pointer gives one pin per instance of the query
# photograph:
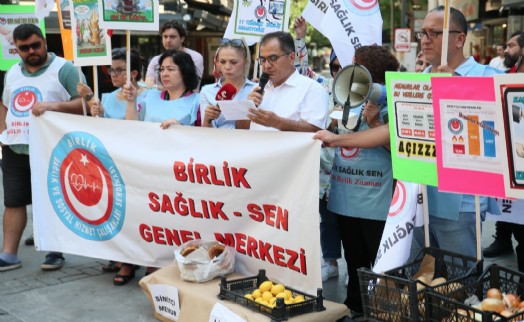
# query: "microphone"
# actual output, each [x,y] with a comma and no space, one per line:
[264,78]
[226,92]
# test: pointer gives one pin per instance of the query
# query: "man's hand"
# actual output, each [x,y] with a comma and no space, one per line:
[83,90]
[263,117]
[300,27]
[40,107]
[95,107]
[326,137]
[255,96]
[371,112]
[445,69]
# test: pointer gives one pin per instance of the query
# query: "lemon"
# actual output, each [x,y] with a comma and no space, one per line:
[288,294]
[267,296]
[265,286]
[278,288]
[248,296]
[289,301]
[298,299]
[273,301]
[282,295]
[266,303]
[259,300]
[256,294]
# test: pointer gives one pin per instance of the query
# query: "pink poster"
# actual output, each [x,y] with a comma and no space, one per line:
[467,138]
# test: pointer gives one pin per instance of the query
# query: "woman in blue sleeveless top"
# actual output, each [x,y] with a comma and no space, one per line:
[361,179]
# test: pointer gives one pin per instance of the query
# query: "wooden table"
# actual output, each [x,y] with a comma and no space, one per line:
[197,300]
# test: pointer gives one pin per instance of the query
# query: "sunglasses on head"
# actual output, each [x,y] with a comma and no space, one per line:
[231,42]
[34,46]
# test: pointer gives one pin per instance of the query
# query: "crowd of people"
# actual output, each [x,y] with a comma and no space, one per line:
[352,216]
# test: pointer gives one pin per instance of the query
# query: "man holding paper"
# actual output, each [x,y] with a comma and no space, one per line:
[289,101]
[451,215]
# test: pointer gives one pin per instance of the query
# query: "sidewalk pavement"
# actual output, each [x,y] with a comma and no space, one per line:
[81,291]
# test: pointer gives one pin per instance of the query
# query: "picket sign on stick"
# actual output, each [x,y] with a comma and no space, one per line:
[255,69]
[83,100]
[477,225]
[445,35]
[95,81]
[424,189]
[128,56]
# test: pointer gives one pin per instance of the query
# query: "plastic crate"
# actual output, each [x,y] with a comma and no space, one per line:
[235,290]
[444,307]
[393,295]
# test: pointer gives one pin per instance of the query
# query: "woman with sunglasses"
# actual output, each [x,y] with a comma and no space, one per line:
[233,59]
[177,103]
[113,104]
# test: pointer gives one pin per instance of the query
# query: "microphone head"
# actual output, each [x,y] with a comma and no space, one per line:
[264,78]
[226,92]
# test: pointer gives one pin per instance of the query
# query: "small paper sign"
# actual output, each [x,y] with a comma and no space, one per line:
[165,298]
[220,313]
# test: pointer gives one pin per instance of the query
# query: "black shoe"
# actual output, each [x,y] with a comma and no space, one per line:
[29,241]
[498,248]
[53,261]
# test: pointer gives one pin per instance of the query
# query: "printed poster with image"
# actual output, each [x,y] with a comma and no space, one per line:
[467,136]
[509,91]
[10,17]
[64,21]
[91,44]
[252,19]
[412,128]
[129,14]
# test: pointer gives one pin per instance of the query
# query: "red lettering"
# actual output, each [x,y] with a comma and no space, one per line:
[154,205]
[241,243]
[145,233]
[278,255]
[255,212]
[179,169]
[166,204]
[158,233]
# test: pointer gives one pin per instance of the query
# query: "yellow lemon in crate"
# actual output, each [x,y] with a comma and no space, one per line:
[267,296]
[265,286]
[248,296]
[273,301]
[299,298]
[278,288]
[288,293]
[259,300]
[282,295]
[256,294]
[289,301]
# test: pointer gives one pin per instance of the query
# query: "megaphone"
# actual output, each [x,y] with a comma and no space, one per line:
[353,86]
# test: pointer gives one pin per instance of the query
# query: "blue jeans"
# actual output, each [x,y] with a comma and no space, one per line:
[457,236]
[330,241]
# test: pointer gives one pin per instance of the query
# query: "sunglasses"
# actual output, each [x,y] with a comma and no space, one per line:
[232,42]
[34,46]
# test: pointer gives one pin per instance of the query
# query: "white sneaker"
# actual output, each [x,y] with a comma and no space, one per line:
[329,271]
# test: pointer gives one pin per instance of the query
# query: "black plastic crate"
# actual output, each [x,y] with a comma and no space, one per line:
[235,290]
[444,307]
[393,295]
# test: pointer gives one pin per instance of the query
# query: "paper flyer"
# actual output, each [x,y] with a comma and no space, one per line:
[412,128]
[91,44]
[10,17]
[252,19]
[129,14]
[467,137]
[509,91]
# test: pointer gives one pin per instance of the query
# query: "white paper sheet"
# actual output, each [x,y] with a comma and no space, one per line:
[236,109]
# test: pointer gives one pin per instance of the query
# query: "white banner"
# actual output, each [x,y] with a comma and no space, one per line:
[132,192]
[510,211]
[348,24]
[404,214]
[250,20]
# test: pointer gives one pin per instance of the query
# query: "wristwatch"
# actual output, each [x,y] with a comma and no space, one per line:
[88,97]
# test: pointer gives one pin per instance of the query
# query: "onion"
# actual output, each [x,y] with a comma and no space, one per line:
[506,313]
[512,300]
[492,305]
[494,293]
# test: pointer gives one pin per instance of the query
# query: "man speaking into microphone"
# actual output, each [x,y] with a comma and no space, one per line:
[233,61]
[289,101]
